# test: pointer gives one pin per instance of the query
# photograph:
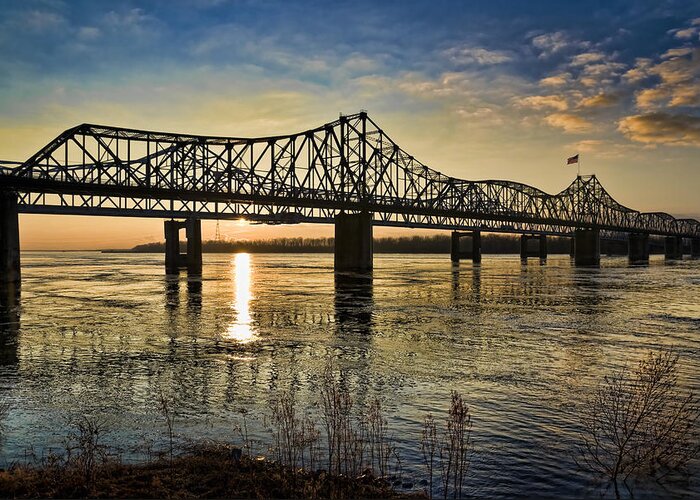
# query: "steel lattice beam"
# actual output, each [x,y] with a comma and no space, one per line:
[347,165]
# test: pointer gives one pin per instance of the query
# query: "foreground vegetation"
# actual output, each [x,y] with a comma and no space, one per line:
[637,424]
[213,471]
[342,451]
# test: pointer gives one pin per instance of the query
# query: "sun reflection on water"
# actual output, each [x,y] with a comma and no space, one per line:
[241,329]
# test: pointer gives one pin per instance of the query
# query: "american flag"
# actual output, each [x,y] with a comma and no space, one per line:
[572,159]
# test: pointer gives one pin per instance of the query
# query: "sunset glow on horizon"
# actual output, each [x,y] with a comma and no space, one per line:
[467,91]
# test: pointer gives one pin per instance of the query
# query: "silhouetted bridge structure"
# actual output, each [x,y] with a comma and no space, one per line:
[348,172]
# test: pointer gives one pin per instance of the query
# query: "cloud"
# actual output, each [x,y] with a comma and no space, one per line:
[600,74]
[662,128]
[604,69]
[133,22]
[648,98]
[571,124]
[476,55]
[679,52]
[601,100]
[542,102]
[556,80]
[131,17]
[552,43]
[678,69]
[686,33]
[39,20]
[88,33]
[672,96]
[587,145]
[687,94]
[639,71]
[447,84]
[603,148]
[483,114]
[680,80]
[587,58]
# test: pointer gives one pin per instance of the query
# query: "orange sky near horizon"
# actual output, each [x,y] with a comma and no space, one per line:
[487,92]
[59,232]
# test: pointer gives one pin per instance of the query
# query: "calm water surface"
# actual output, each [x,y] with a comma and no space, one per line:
[100,333]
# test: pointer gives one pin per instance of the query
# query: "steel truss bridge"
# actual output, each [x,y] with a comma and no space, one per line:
[349,165]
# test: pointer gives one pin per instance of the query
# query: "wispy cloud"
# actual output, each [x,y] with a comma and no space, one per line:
[557,80]
[601,100]
[686,33]
[42,20]
[662,128]
[550,44]
[543,102]
[587,58]
[88,33]
[569,123]
[476,55]
[678,73]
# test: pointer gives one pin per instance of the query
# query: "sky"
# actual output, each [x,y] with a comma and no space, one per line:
[475,89]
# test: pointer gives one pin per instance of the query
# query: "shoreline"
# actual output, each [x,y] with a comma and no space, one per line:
[205,471]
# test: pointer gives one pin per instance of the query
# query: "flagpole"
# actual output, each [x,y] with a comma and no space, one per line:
[578,164]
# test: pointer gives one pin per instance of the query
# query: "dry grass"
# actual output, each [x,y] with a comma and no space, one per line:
[457,447]
[357,439]
[448,451]
[639,422]
[352,442]
[429,448]
[206,472]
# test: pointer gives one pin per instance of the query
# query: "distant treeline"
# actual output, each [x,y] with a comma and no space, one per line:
[490,243]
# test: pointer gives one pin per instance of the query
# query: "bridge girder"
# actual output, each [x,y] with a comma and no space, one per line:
[350,164]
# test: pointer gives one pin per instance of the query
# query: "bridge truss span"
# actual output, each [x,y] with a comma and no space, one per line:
[348,165]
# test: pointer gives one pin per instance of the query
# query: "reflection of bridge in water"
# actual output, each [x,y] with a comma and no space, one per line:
[348,172]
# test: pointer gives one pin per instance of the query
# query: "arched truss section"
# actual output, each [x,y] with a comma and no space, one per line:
[350,164]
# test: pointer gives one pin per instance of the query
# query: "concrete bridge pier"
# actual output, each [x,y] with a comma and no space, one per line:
[587,247]
[354,248]
[172,247]
[9,239]
[638,248]
[695,248]
[192,260]
[673,248]
[458,252]
[193,231]
[526,250]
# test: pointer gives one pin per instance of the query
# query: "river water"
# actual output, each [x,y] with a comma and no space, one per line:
[102,334]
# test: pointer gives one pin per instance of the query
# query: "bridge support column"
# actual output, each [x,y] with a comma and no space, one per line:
[192,260]
[193,230]
[474,253]
[695,248]
[172,246]
[673,248]
[526,252]
[353,242]
[587,247]
[9,239]
[638,248]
